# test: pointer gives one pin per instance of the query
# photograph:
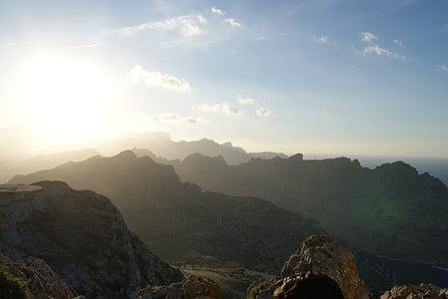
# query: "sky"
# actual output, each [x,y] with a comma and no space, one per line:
[312,76]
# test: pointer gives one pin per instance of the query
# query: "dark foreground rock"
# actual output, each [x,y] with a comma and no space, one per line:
[32,279]
[427,291]
[190,288]
[322,268]
[83,240]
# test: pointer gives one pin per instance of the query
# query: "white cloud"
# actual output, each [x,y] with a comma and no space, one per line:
[188,26]
[263,112]
[177,119]
[320,39]
[86,46]
[399,43]
[8,45]
[246,101]
[145,122]
[138,74]
[368,37]
[222,108]
[232,23]
[444,68]
[377,50]
[218,11]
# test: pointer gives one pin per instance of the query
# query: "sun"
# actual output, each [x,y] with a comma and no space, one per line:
[67,97]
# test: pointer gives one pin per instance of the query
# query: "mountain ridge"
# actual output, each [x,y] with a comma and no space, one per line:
[353,202]
[82,237]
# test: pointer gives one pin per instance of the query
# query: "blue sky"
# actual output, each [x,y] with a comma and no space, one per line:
[317,76]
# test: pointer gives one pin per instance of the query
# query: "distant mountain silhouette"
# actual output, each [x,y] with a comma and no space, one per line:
[161,145]
[46,161]
[390,210]
[177,218]
[9,167]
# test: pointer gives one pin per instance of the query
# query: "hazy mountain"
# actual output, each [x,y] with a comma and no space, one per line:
[177,218]
[181,223]
[82,237]
[390,210]
[46,161]
[21,164]
[161,145]
[436,166]
[267,155]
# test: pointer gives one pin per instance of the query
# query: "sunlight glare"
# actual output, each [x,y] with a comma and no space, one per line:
[66,97]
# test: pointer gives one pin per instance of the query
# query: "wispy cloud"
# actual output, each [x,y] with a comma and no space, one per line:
[86,46]
[399,43]
[8,45]
[145,122]
[383,7]
[222,108]
[246,101]
[188,26]
[398,4]
[323,39]
[232,23]
[178,119]
[377,50]
[218,11]
[372,48]
[138,74]
[368,37]
[263,112]
[444,68]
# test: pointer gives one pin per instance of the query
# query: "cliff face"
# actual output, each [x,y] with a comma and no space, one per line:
[82,237]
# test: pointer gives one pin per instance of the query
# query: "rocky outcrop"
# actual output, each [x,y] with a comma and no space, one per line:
[32,279]
[83,240]
[43,280]
[322,268]
[190,288]
[422,291]
[322,256]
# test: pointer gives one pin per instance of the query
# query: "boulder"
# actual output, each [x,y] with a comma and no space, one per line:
[424,290]
[322,268]
[192,287]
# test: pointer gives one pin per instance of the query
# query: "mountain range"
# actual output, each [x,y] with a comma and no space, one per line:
[175,218]
[390,210]
[180,222]
[161,145]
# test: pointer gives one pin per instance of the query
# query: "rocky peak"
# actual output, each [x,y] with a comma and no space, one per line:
[83,239]
[126,156]
[54,186]
[296,157]
[321,268]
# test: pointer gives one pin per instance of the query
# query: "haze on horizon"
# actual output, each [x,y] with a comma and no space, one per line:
[313,76]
